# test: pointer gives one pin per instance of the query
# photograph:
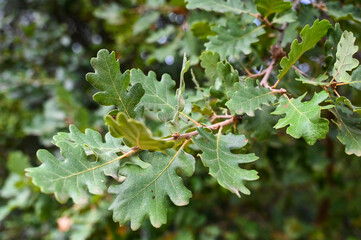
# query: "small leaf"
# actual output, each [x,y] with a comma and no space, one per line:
[17,162]
[233,39]
[180,91]
[135,133]
[209,62]
[222,163]
[310,37]
[113,85]
[159,96]
[145,21]
[349,124]
[246,98]
[222,6]
[144,191]
[303,118]
[267,7]
[318,81]
[346,48]
[227,76]
[288,17]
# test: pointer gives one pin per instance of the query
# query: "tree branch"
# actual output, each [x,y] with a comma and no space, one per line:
[211,127]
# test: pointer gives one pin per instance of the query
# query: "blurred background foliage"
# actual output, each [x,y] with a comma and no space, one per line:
[304,192]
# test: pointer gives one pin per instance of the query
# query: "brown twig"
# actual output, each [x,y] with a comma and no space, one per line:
[177,136]
[266,76]
[215,117]
[300,71]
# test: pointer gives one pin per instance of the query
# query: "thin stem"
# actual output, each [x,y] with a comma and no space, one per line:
[275,85]
[195,133]
[191,119]
[267,74]
[300,71]
[344,83]
[335,91]
[215,117]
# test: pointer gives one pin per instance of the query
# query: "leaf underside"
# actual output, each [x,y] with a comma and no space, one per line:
[135,133]
[346,48]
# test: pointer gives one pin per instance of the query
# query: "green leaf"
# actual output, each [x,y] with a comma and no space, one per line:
[144,191]
[310,37]
[157,35]
[303,118]
[113,85]
[318,81]
[349,125]
[202,29]
[159,96]
[145,21]
[345,12]
[223,164]
[233,39]
[288,17]
[92,143]
[135,133]
[17,162]
[209,62]
[222,6]
[227,76]
[180,91]
[261,125]
[267,7]
[72,176]
[346,48]
[246,98]
[356,78]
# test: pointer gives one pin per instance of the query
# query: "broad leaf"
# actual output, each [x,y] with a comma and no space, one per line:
[222,163]
[233,39]
[303,118]
[113,84]
[72,176]
[349,125]
[135,133]
[144,191]
[246,98]
[209,62]
[310,37]
[346,48]
[159,96]
[318,81]
[267,7]
[222,6]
